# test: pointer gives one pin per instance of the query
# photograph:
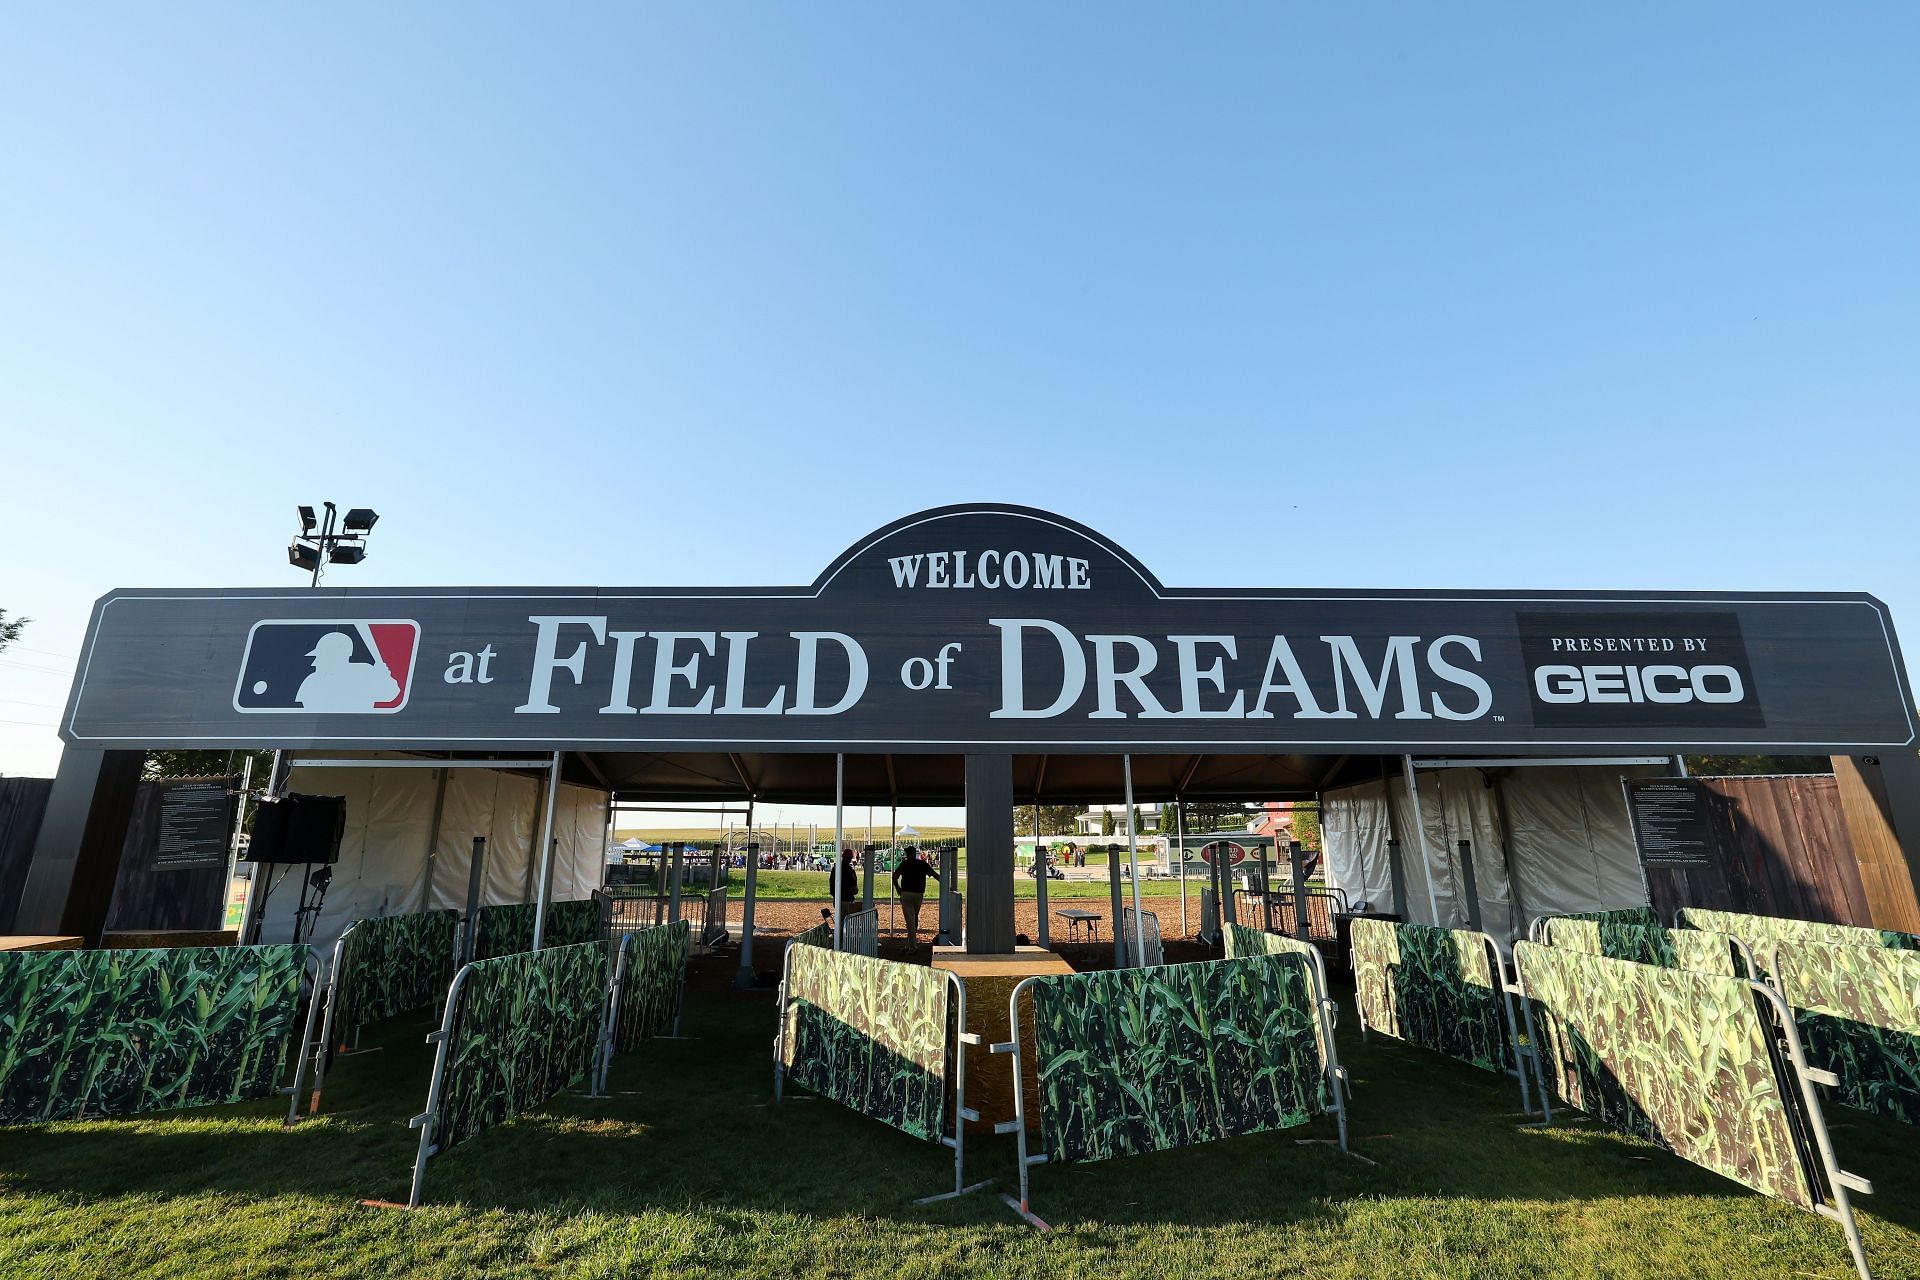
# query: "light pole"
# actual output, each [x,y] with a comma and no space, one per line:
[339,540]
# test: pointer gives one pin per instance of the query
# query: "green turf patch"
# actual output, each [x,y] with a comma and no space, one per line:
[690,1170]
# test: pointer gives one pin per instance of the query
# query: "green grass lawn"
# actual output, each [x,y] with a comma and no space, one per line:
[691,1170]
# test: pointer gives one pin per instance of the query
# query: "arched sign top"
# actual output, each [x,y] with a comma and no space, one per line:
[988,547]
[988,627]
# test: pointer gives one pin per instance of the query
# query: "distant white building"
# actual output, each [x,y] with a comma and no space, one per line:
[1094,821]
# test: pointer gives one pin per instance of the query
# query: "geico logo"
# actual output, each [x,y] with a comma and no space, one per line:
[1705,683]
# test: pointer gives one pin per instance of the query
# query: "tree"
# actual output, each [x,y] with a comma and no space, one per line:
[1725,766]
[1055,819]
[1306,826]
[1204,817]
[10,631]
[1106,821]
[205,764]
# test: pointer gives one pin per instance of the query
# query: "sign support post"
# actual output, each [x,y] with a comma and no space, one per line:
[839,839]
[1133,863]
[1040,874]
[1180,856]
[1427,867]
[546,852]
[744,976]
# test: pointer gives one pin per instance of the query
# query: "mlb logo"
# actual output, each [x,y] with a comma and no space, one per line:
[339,667]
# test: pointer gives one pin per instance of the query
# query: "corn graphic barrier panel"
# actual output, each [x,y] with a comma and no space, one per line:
[1708,1067]
[1761,932]
[1695,950]
[821,935]
[116,1033]
[1137,1060]
[505,930]
[391,965]
[1241,940]
[1149,1059]
[653,983]
[1440,989]
[517,1030]
[380,967]
[879,1037]
[869,1034]
[1645,917]
[1858,1009]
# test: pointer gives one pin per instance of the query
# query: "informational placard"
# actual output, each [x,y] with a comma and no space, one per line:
[196,825]
[1672,822]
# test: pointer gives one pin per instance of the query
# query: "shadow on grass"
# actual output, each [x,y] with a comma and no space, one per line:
[691,1127]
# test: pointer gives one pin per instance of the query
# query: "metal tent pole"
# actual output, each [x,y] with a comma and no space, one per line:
[839,839]
[744,976]
[1420,831]
[1040,877]
[1299,860]
[673,881]
[546,851]
[476,875]
[1113,893]
[1133,862]
[1180,858]
[1472,888]
[1266,884]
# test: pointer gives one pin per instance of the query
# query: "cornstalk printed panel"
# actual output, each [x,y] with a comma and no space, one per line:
[1431,987]
[1858,1009]
[1135,1060]
[527,1027]
[507,930]
[1761,932]
[392,964]
[1695,950]
[653,985]
[1682,1059]
[112,1033]
[1645,917]
[869,1034]
[1245,940]
[821,935]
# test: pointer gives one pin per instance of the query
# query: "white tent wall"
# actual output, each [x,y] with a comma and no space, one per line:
[1572,846]
[1354,834]
[469,812]
[1354,830]
[1459,805]
[384,867]
[582,834]
[1573,840]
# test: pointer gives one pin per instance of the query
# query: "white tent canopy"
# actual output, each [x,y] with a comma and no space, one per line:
[1571,848]
[386,866]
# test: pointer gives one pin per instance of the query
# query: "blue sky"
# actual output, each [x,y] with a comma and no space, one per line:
[1465,296]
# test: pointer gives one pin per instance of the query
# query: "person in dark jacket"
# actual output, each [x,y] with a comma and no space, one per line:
[849,877]
[910,886]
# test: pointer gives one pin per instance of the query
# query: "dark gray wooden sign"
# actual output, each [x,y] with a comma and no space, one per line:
[984,628]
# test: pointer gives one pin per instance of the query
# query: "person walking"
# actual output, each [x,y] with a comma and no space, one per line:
[910,886]
[849,877]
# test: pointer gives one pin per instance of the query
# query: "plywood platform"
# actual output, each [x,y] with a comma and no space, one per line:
[989,980]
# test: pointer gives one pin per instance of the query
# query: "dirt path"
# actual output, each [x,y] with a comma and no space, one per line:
[790,917]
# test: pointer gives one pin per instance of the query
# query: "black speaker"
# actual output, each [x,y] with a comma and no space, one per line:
[299,829]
